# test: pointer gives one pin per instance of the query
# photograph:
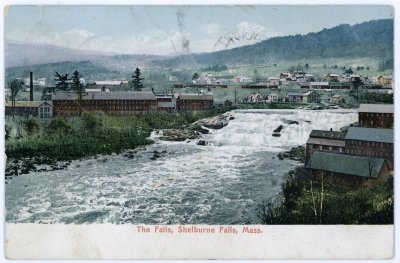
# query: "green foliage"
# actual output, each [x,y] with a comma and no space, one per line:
[195,76]
[136,81]
[369,39]
[31,126]
[304,201]
[90,122]
[216,68]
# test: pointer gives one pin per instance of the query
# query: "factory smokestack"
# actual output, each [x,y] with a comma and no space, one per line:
[31,86]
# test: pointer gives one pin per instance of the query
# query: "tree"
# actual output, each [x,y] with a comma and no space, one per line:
[62,81]
[349,71]
[357,82]
[256,77]
[15,87]
[307,66]
[195,76]
[78,87]
[136,81]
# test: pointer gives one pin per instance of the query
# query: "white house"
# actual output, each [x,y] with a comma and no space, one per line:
[273,97]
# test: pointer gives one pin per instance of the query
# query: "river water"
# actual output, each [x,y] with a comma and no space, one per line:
[221,183]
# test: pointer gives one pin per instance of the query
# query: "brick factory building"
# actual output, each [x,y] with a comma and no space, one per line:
[376,115]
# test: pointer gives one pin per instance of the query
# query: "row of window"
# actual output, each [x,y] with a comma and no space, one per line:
[377,114]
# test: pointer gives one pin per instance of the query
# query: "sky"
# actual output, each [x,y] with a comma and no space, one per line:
[171,30]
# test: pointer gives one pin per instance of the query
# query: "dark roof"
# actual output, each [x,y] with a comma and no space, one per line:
[320,141]
[32,104]
[142,95]
[346,164]
[377,108]
[333,135]
[295,94]
[370,134]
[195,96]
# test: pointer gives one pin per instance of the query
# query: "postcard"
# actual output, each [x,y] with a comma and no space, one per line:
[184,131]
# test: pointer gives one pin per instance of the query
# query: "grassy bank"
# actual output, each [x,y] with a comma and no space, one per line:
[38,141]
[304,201]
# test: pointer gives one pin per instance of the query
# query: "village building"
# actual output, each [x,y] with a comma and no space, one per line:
[307,97]
[273,82]
[294,97]
[337,99]
[385,80]
[166,102]
[355,77]
[376,115]
[242,79]
[311,97]
[255,98]
[112,103]
[304,85]
[346,169]
[41,109]
[331,77]
[273,97]
[319,85]
[113,85]
[374,142]
[326,141]
[228,103]
[285,75]
[194,101]
[173,79]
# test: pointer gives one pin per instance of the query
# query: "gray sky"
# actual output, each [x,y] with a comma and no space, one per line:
[174,29]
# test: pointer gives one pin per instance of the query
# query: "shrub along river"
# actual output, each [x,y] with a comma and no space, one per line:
[174,182]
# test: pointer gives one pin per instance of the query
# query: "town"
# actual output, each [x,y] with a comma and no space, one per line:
[119,98]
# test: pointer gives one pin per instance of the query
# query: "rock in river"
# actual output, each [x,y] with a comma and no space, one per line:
[217,122]
[178,135]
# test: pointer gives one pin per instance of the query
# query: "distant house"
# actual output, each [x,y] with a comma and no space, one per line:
[319,85]
[255,98]
[273,81]
[374,142]
[294,97]
[337,98]
[173,79]
[111,84]
[311,97]
[304,85]
[347,169]
[309,77]
[273,97]
[331,77]
[41,109]
[228,103]
[242,79]
[354,77]
[376,115]
[385,80]
[285,75]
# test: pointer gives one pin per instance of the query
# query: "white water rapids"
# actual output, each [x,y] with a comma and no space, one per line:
[220,183]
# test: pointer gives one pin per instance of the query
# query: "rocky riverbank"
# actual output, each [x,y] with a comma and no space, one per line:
[296,153]
[196,129]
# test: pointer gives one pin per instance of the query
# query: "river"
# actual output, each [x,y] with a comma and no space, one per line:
[220,183]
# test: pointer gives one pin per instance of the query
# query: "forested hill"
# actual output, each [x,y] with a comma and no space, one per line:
[368,39]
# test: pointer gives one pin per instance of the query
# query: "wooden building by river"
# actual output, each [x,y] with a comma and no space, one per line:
[112,103]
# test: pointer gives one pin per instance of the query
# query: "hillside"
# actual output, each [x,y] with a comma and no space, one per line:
[370,39]
[89,70]
[23,54]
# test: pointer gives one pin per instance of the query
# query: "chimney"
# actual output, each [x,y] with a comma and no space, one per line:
[31,86]
[331,129]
